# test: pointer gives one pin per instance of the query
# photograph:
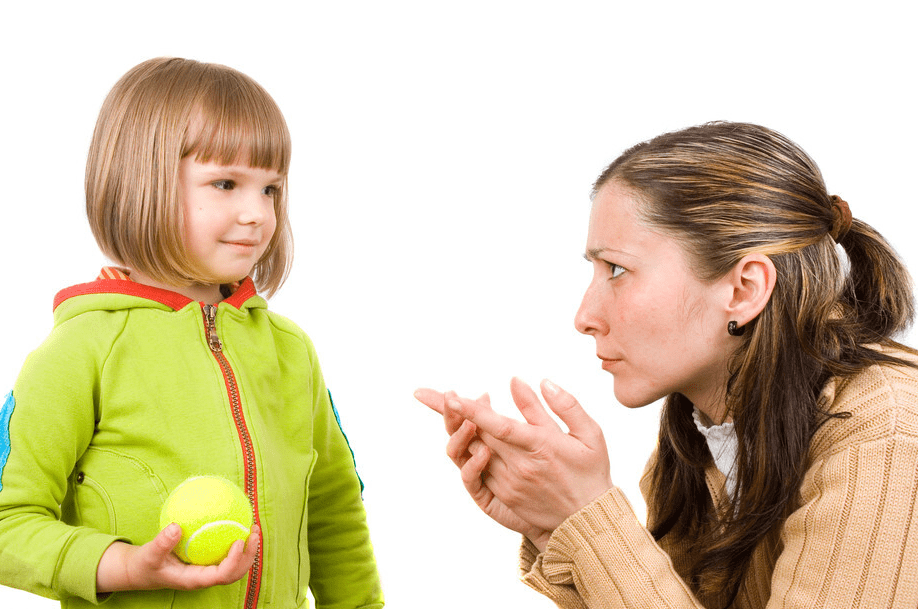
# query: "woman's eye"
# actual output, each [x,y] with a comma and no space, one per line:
[269,190]
[224,184]
[615,270]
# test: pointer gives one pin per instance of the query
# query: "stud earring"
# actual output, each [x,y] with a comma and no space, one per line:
[733,330]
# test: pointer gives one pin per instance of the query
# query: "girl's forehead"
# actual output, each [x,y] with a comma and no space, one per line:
[243,159]
[236,142]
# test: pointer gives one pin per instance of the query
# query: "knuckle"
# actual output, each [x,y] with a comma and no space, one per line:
[528,471]
[503,430]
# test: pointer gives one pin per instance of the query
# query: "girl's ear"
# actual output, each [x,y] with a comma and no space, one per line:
[752,281]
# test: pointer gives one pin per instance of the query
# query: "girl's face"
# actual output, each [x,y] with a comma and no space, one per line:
[658,329]
[229,217]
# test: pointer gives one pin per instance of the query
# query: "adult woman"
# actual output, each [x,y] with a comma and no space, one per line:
[787,467]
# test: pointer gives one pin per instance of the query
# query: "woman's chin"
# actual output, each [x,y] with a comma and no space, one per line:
[633,400]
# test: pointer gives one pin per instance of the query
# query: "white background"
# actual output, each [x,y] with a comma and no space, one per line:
[443,157]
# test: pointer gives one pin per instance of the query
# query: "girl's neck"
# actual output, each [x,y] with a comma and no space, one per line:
[200,292]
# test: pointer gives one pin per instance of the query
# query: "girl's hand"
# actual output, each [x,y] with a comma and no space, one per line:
[471,456]
[535,470]
[153,565]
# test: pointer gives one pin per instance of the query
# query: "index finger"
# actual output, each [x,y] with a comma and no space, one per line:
[431,398]
[436,401]
[504,429]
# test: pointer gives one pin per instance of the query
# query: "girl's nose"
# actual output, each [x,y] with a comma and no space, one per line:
[255,209]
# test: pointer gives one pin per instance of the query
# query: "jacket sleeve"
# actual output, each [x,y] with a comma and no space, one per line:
[343,568]
[47,423]
[851,543]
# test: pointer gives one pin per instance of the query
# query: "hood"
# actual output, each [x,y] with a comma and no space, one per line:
[120,294]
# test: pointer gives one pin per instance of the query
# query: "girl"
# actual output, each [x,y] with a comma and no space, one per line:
[729,282]
[171,366]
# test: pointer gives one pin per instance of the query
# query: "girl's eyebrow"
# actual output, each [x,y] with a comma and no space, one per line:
[229,172]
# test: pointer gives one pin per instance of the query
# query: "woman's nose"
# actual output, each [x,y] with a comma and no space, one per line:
[587,320]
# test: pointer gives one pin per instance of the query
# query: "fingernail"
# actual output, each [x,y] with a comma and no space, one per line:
[550,387]
[454,405]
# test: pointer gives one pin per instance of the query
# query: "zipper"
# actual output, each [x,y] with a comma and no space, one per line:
[245,441]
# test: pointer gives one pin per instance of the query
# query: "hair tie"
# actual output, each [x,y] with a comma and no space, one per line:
[842,222]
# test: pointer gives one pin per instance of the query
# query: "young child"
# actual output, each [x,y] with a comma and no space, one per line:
[171,366]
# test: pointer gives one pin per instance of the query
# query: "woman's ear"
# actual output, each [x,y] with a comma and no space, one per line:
[752,281]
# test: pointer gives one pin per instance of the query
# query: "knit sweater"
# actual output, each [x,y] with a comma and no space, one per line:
[853,542]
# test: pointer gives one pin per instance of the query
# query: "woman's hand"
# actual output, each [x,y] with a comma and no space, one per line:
[471,456]
[532,472]
[153,565]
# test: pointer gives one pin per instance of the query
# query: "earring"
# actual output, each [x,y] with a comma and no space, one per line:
[733,330]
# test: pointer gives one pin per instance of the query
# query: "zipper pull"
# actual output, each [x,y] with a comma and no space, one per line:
[210,326]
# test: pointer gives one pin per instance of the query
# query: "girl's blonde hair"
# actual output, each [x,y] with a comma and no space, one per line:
[158,113]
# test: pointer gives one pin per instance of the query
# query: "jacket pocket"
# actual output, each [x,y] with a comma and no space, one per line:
[303,570]
[115,493]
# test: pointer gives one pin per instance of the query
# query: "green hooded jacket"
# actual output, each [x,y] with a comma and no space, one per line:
[137,389]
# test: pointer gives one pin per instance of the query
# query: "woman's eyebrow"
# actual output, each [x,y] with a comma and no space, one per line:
[593,253]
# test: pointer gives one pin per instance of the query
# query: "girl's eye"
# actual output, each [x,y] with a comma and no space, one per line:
[269,190]
[224,184]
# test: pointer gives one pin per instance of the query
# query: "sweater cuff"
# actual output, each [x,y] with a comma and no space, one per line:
[554,572]
[77,572]
[564,594]
[605,552]
[603,514]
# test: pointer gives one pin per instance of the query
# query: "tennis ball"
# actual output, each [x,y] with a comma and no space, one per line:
[213,512]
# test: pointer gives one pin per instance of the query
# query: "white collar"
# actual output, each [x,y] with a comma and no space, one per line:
[723,445]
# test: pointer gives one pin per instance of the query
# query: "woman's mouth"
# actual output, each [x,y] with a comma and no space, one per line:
[608,362]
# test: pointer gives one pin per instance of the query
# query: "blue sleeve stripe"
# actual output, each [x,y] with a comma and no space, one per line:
[353,458]
[6,412]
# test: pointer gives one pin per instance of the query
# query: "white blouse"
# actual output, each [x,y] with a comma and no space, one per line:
[723,445]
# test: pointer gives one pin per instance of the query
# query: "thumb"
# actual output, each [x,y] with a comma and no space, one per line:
[569,410]
[167,539]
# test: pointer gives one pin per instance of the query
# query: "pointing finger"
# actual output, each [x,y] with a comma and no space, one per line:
[499,427]
[430,398]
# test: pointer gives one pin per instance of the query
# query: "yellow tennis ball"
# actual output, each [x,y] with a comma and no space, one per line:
[213,512]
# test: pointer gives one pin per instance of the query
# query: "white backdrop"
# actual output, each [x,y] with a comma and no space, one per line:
[443,156]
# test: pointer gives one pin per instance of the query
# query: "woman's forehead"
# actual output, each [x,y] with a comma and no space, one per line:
[614,211]
[617,225]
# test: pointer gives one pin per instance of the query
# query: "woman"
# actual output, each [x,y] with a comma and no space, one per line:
[727,281]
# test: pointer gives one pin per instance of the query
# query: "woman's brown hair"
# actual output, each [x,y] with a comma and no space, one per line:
[725,190]
[158,113]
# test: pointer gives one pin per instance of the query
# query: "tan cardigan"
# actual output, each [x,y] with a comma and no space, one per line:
[852,543]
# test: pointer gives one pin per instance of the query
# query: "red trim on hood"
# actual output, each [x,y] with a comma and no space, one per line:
[173,300]
[245,291]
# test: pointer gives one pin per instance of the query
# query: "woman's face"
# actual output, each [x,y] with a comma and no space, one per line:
[658,329]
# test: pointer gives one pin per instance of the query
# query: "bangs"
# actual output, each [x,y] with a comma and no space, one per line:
[238,122]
